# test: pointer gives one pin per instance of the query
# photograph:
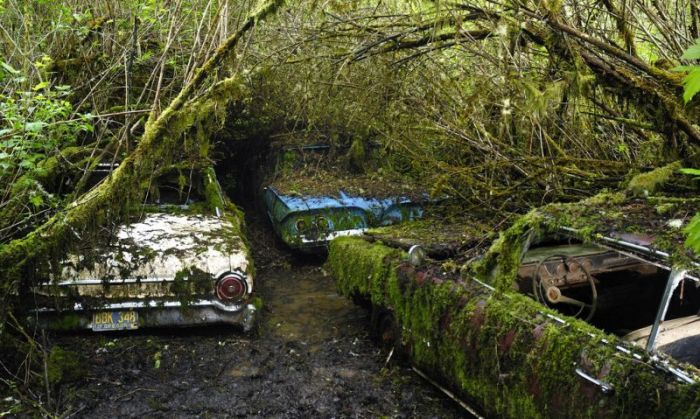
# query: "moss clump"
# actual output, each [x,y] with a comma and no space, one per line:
[357,155]
[190,283]
[258,303]
[63,366]
[647,183]
[68,321]
[500,263]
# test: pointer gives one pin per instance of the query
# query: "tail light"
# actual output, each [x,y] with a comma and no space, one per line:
[322,223]
[301,225]
[231,287]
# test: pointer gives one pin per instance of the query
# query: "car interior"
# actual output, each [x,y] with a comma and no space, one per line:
[614,290]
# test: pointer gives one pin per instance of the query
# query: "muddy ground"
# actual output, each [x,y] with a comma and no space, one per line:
[312,357]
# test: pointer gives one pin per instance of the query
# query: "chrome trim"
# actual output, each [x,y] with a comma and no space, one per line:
[94,281]
[646,250]
[128,281]
[604,387]
[332,235]
[150,304]
[674,279]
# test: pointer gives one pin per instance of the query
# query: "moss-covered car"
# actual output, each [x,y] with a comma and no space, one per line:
[181,261]
[310,200]
[577,310]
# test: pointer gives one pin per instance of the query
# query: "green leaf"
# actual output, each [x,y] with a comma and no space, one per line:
[42,85]
[691,84]
[690,171]
[682,68]
[693,52]
[36,200]
[9,68]
[35,126]
[692,230]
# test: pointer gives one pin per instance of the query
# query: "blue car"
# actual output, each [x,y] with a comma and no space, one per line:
[309,219]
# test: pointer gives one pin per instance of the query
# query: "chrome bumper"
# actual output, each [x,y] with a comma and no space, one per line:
[322,240]
[151,314]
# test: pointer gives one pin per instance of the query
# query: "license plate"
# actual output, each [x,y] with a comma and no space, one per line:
[103,321]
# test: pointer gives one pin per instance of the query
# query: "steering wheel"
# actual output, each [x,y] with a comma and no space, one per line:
[547,286]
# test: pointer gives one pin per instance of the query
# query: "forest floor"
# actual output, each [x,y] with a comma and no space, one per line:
[311,357]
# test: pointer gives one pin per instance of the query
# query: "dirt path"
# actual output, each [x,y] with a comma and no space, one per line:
[311,358]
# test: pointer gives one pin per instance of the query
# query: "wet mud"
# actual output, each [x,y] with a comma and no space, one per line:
[311,357]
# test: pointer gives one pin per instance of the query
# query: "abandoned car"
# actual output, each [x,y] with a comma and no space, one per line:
[577,310]
[180,262]
[310,202]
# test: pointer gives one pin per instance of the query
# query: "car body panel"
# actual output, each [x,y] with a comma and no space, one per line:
[504,352]
[155,249]
[164,266]
[342,215]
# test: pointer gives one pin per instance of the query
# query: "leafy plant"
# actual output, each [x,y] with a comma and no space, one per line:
[692,230]
[34,124]
[691,82]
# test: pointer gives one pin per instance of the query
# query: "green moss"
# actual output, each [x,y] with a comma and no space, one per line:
[258,303]
[190,283]
[357,154]
[68,321]
[504,351]
[213,195]
[63,366]
[647,183]
[499,266]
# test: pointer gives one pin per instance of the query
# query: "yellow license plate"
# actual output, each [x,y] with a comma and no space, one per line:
[103,321]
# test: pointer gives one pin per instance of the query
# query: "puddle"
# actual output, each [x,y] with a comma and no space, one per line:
[305,307]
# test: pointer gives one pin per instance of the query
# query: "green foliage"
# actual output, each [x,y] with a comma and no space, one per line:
[693,234]
[691,81]
[63,366]
[647,183]
[34,124]
[690,171]
[692,230]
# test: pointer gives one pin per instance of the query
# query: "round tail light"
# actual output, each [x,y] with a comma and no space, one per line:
[231,287]
[322,223]
[300,225]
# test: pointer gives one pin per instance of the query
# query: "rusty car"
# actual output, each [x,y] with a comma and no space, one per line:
[587,309]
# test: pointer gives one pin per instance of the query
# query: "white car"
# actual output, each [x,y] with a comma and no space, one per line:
[181,265]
